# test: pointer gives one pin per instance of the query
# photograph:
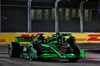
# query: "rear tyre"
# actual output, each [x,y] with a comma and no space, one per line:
[76,51]
[71,40]
[68,50]
[14,49]
[73,59]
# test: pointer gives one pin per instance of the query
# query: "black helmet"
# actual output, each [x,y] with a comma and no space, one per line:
[57,34]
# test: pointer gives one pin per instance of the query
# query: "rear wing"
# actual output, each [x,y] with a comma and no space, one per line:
[67,34]
[25,38]
[63,34]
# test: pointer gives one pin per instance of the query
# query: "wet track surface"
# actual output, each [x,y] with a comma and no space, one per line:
[92,59]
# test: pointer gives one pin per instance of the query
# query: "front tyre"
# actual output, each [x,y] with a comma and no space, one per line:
[73,59]
[14,49]
[76,51]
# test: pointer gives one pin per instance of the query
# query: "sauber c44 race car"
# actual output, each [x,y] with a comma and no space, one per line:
[39,47]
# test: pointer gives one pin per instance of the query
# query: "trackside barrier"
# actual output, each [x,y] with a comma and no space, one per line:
[6,38]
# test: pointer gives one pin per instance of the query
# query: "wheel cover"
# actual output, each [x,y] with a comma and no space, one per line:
[32,53]
[10,50]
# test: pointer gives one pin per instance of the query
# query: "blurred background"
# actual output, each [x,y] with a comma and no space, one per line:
[14,16]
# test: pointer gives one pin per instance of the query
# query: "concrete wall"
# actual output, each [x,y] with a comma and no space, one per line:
[93,26]
[49,26]
[43,26]
[14,19]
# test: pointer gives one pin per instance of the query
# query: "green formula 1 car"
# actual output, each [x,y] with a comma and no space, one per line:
[38,47]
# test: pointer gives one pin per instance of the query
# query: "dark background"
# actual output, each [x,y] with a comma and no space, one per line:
[14,16]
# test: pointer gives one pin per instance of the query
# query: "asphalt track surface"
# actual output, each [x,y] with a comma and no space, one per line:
[92,59]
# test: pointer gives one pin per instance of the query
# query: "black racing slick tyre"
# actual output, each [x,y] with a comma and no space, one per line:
[76,51]
[14,49]
[73,59]
[71,40]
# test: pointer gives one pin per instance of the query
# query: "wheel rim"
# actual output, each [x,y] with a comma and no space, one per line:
[32,53]
[10,50]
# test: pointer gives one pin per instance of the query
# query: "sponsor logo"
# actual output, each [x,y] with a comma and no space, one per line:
[93,37]
[2,40]
[90,37]
[81,39]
